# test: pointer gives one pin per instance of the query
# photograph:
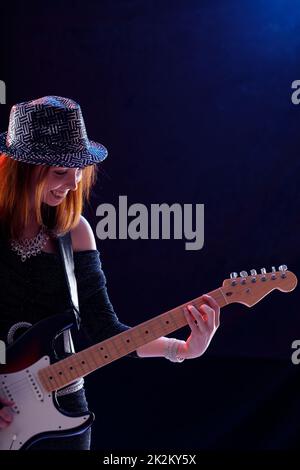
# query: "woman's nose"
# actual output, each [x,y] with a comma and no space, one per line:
[72,182]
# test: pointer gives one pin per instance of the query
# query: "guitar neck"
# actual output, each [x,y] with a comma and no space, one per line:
[78,365]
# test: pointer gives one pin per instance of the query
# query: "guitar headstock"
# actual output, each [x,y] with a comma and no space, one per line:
[250,289]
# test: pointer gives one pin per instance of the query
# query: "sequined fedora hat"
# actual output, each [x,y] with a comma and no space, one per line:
[50,131]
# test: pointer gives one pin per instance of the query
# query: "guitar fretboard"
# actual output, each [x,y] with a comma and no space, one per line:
[78,365]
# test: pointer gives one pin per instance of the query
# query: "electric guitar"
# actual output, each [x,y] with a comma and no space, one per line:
[31,376]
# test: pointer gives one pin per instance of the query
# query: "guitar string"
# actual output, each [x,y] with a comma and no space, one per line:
[15,386]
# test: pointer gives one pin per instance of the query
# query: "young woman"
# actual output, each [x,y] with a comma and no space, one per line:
[48,167]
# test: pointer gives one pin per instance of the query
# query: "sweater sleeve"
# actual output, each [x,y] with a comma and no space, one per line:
[98,318]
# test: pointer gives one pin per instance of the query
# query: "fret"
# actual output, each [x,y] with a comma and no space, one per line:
[59,375]
[109,349]
[88,354]
[49,378]
[164,321]
[114,343]
[127,341]
[136,341]
[103,351]
[154,327]
[66,372]
[219,297]
[94,357]
[75,364]
[83,364]
[174,319]
[97,354]
[170,323]
[69,364]
[57,372]
[63,366]
[149,331]
[157,328]
[164,325]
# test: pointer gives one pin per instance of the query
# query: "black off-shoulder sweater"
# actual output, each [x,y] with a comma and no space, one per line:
[36,289]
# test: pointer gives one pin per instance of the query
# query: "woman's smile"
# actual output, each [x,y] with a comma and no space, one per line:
[58,195]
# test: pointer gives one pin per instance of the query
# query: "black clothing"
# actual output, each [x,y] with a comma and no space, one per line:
[36,289]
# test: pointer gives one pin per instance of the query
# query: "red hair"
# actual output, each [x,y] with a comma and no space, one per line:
[15,181]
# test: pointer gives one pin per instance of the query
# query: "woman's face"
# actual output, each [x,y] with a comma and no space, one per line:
[59,182]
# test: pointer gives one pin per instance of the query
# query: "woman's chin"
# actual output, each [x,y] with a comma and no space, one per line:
[52,203]
[52,200]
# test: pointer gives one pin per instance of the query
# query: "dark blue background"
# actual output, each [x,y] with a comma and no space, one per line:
[193,101]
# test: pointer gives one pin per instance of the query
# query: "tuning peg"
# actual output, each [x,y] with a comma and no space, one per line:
[273,269]
[253,273]
[233,276]
[263,272]
[283,269]
[273,273]
[243,274]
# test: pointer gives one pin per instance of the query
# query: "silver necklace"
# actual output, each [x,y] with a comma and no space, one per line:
[31,246]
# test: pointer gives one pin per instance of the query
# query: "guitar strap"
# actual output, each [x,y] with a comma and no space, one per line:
[66,253]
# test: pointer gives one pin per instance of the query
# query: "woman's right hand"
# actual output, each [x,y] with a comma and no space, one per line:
[5,412]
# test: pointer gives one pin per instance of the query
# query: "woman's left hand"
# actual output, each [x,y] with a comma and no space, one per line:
[203,323]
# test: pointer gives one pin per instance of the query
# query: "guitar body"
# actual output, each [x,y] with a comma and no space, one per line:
[36,414]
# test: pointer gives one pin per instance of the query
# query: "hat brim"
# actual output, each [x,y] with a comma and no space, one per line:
[60,155]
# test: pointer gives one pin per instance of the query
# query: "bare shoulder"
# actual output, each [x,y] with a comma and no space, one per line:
[83,237]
